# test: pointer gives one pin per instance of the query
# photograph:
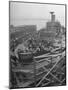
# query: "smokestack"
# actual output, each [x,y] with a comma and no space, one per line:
[52,16]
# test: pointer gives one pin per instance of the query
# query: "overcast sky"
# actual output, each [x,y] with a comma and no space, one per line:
[37,14]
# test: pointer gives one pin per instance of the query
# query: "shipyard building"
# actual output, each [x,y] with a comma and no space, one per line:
[52,29]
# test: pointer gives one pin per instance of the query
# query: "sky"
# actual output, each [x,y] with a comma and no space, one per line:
[35,14]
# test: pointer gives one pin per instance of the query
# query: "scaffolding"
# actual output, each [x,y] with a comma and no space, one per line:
[45,70]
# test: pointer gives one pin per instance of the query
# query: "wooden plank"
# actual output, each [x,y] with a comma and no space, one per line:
[45,84]
[49,55]
[41,56]
[52,75]
[29,68]
[50,69]
[48,60]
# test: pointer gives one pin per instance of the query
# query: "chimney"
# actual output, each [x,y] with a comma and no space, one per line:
[52,16]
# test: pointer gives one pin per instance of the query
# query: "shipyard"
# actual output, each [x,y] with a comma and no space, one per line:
[38,57]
